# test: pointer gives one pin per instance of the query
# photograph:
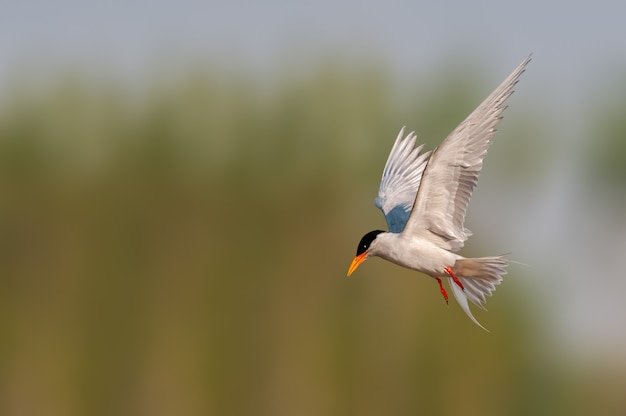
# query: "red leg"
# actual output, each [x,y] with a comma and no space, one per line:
[456,280]
[443,291]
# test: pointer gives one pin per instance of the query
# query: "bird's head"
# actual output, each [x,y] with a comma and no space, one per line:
[363,249]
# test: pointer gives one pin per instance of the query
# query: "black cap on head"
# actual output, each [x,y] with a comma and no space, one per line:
[367,239]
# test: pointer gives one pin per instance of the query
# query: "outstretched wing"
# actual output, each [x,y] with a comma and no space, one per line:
[400,181]
[452,171]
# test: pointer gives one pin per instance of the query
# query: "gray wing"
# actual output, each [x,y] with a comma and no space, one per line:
[400,181]
[452,171]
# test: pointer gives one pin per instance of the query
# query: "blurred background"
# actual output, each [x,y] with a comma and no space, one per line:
[183,186]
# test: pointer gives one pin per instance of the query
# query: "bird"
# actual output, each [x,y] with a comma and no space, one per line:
[424,197]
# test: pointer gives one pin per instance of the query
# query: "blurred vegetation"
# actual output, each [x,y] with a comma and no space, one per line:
[606,144]
[181,248]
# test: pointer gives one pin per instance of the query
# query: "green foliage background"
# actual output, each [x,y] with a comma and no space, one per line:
[180,247]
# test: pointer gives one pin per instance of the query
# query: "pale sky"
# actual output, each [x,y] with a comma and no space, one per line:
[569,39]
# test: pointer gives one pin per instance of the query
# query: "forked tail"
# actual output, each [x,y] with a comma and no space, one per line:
[479,277]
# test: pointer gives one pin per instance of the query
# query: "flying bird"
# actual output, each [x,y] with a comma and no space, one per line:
[424,197]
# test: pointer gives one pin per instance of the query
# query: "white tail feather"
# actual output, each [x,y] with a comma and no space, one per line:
[479,277]
[462,301]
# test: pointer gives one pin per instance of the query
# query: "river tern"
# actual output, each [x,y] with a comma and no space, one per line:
[424,197]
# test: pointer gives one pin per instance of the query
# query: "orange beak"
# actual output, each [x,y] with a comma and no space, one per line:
[355,263]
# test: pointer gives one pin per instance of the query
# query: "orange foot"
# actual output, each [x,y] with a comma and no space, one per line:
[443,291]
[456,280]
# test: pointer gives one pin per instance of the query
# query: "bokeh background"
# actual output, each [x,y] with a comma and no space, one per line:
[183,185]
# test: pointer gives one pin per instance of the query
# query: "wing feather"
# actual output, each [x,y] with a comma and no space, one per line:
[401,180]
[452,171]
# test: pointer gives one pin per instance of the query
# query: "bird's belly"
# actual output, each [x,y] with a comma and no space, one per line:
[422,256]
